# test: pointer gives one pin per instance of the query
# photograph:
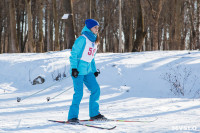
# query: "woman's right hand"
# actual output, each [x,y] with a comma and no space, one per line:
[75,73]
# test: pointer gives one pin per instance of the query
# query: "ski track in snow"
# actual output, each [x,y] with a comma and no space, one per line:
[132,88]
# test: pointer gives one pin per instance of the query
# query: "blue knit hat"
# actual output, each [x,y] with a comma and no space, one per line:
[91,23]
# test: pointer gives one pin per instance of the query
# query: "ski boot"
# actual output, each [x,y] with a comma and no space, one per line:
[73,121]
[98,117]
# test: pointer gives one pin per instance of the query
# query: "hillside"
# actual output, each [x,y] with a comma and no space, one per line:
[162,85]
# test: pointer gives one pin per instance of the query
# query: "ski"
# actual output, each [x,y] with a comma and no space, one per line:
[121,120]
[82,124]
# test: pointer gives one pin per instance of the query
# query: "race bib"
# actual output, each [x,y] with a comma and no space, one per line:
[89,50]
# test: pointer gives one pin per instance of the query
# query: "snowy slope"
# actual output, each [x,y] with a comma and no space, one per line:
[134,86]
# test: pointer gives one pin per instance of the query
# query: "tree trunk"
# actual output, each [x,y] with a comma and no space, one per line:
[155,16]
[25,47]
[51,32]
[183,39]
[40,44]
[69,25]
[30,43]
[6,36]
[198,24]
[192,28]
[178,24]
[93,9]
[56,25]
[120,27]
[18,21]
[140,33]
[129,34]
[23,25]
[47,46]
[1,27]
[13,45]
[131,37]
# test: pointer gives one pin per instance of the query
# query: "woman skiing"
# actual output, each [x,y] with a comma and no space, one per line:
[83,70]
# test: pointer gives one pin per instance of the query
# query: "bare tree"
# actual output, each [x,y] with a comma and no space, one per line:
[120,27]
[93,13]
[48,39]
[128,24]
[13,45]
[69,25]
[169,25]
[30,42]
[192,25]
[40,44]
[140,33]
[155,11]
[198,24]
[55,14]
[1,26]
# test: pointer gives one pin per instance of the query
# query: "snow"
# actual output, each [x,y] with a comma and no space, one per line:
[65,16]
[134,86]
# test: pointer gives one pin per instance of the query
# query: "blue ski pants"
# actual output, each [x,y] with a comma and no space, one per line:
[90,81]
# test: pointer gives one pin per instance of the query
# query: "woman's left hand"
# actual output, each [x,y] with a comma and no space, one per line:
[97,73]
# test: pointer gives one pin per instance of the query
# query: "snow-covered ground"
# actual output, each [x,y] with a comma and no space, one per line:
[162,85]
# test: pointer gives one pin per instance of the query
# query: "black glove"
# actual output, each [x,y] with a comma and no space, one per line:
[75,73]
[97,73]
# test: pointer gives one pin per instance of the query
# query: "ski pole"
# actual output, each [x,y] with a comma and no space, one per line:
[98,71]
[19,99]
[49,98]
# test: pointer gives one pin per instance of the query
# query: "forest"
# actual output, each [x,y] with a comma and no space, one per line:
[37,26]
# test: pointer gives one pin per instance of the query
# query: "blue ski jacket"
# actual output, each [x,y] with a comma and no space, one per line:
[83,67]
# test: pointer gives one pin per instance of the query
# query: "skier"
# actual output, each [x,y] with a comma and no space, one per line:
[83,70]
